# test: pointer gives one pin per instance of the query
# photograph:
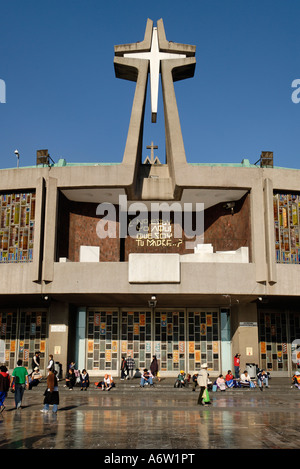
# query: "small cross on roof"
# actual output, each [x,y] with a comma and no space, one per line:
[152,160]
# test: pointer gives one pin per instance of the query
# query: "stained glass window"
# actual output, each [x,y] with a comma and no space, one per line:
[287,228]
[17,215]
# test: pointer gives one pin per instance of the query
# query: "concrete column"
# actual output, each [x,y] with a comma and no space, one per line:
[80,351]
[58,332]
[270,236]
[258,232]
[50,230]
[134,70]
[38,230]
[245,337]
[175,152]
[226,353]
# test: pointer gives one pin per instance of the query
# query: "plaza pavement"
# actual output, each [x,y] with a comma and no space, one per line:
[160,418]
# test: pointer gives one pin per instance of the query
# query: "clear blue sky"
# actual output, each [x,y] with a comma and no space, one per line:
[56,58]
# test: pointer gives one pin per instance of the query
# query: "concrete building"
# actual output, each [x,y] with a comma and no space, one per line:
[77,285]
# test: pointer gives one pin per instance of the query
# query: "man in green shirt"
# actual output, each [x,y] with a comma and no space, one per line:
[20,380]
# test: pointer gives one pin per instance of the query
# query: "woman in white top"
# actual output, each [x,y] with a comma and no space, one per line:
[50,366]
[221,383]
[245,379]
[107,383]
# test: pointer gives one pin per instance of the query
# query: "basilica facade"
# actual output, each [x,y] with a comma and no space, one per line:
[192,263]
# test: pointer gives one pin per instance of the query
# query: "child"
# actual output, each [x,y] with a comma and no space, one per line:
[296,380]
[221,383]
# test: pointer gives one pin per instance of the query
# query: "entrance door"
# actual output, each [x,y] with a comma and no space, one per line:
[226,340]
[273,340]
[102,346]
[136,337]
[203,339]
[169,335]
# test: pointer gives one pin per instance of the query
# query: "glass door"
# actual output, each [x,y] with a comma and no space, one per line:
[203,339]
[102,343]
[136,337]
[273,340]
[169,335]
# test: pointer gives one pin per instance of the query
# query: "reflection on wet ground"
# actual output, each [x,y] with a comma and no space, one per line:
[163,418]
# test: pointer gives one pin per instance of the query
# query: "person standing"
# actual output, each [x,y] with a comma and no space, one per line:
[202,381]
[50,366]
[51,394]
[130,365]
[35,361]
[154,367]
[236,363]
[20,380]
[4,386]
[124,369]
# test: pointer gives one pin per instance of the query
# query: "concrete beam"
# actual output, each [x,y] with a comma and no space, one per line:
[50,229]
[38,230]
[269,230]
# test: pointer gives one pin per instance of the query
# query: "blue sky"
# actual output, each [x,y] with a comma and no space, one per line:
[56,58]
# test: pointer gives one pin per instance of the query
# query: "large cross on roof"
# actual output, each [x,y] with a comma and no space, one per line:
[172,61]
[154,55]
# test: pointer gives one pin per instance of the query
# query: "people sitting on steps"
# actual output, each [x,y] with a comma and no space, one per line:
[180,380]
[147,378]
[34,378]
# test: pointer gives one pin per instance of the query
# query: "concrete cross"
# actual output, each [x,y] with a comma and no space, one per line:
[151,160]
[154,56]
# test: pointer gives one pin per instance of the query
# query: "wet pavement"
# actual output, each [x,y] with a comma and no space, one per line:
[132,418]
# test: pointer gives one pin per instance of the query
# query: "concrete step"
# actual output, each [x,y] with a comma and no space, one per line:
[276,385]
[167,385]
